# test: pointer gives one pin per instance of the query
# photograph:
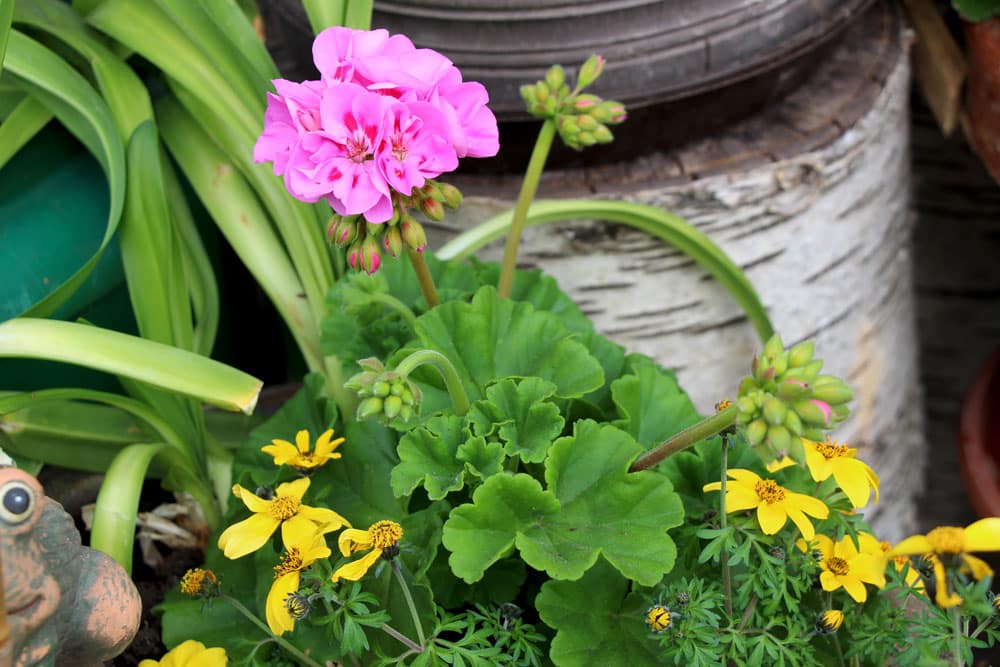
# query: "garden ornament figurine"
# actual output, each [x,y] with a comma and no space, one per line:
[66,604]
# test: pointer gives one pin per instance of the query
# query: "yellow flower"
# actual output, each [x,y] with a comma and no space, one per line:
[197,582]
[948,547]
[879,550]
[829,621]
[298,557]
[844,566]
[298,522]
[299,456]
[190,654]
[774,504]
[855,478]
[380,536]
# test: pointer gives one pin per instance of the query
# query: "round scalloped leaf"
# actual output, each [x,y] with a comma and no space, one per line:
[492,338]
[597,621]
[526,422]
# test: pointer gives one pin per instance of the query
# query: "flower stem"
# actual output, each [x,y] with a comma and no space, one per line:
[528,188]
[395,304]
[706,428]
[302,657]
[956,619]
[424,277]
[398,571]
[840,653]
[727,582]
[459,399]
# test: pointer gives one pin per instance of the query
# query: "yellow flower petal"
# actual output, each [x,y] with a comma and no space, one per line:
[743,475]
[824,544]
[802,523]
[352,540]
[853,479]
[844,548]
[298,530]
[326,519]
[281,450]
[712,486]
[829,581]
[819,466]
[780,464]
[811,506]
[854,588]
[740,498]
[210,657]
[278,618]
[356,569]
[295,489]
[248,535]
[977,567]
[182,653]
[253,502]
[771,518]
[983,535]
[302,441]
[914,545]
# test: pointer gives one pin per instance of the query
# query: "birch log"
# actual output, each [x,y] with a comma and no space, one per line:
[812,198]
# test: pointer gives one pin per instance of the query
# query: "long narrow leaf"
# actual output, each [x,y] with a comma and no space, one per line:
[234,22]
[162,366]
[237,212]
[63,91]
[6,16]
[649,219]
[117,504]
[325,13]
[23,123]
[358,14]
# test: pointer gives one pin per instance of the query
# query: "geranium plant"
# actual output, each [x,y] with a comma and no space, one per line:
[502,485]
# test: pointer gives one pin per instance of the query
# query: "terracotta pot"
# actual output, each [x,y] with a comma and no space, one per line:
[983,97]
[979,439]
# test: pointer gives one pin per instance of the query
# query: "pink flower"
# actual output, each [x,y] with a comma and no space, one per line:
[289,115]
[416,146]
[473,126]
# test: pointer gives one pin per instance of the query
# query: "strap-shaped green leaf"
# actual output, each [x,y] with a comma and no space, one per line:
[162,366]
[50,80]
[23,123]
[661,224]
[6,16]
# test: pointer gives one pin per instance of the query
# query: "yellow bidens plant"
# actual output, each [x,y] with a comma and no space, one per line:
[299,455]
[190,653]
[774,504]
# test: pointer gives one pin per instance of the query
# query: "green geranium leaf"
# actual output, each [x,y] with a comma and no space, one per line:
[482,459]
[597,621]
[481,533]
[541,291]
[428,456]
[592,507]
[605,509]
[612,359]
[494,338]
[527,423]
[652,405]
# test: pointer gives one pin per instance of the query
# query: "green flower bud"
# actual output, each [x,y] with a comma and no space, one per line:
[834,393]
[609,112]
[747,385]
[810,412]
[756,431]
[586,122]
[369,408]
[391,406]
[528,94]
[780,364]
[793,423]
[407,397]
[779,438]
[801,354]
[432,208]
[812,369]
[452,195]
[542,92]
[405,413]
[586,139]
[773,347]
[381,389]
[603,135]
[792,389]
[397,387]
[370,257]
[567,125]
[590,70]
[413,234]
[774,411]
[393,241]
[746,405]
[555,77]
[584,102]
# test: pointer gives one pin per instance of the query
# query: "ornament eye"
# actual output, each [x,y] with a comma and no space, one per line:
[17,500]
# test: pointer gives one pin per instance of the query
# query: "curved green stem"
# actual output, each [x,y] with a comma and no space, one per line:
[528,188]
[398,572]
[459,399]
[424,277]
[299,655]
[706,428]
[727,583]
[398,306]
[656,222]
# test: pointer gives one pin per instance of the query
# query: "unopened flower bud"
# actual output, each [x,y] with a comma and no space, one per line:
[813,412]
[775,411]
[528,94]
[354,256]
[603,134]
[586,122]
[585,102]
[391,406]
[779,438]
[370,257]
[590,70]
[586,139]
[343,232]
[756,431]
[792,389]
[431,190]
[542,92]
[452,195]
[567,125]
[834,393]
[555,77]
[369,408]
[609,111]
[773,347]
[432,208]
[801,354]
[413,234]
[793,423]
[393,241]
[381,389]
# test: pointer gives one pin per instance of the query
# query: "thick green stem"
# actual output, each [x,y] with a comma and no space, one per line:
[299,655]
[424,277]
[727,582]
[706,428]
[459,399]
[396,570]
[528,188]
[346,401]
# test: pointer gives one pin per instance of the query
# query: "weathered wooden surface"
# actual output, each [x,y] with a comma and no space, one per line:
[812,199]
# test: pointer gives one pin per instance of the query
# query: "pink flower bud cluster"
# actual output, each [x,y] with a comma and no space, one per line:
[384,117]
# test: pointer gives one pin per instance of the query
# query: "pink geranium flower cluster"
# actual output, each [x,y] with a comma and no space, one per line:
[384,117]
